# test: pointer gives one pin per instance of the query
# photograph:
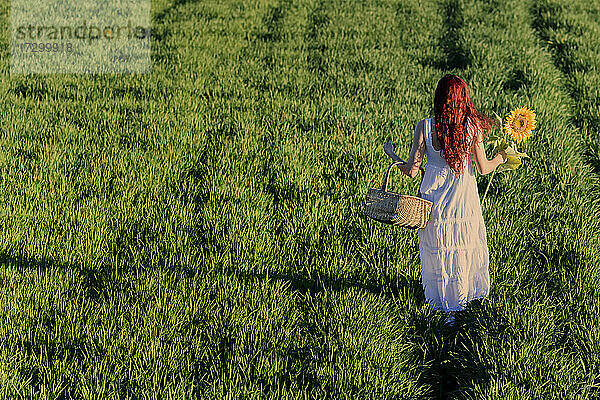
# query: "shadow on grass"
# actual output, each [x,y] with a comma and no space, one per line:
[96,283]
[592,157]
[455,55]
[515,80]
[322,282]
[455,353]
[447,352]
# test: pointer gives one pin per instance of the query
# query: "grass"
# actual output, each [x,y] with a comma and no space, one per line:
[198,231]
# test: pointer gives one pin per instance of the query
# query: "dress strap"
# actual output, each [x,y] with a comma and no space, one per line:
[429,130]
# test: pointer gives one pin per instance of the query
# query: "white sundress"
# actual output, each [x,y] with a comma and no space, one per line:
[453,245]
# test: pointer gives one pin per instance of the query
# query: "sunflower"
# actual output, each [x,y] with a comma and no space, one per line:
[520,123]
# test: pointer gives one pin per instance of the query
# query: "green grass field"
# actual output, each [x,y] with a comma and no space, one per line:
[197,232]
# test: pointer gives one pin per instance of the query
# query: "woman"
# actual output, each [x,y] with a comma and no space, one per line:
[453,245]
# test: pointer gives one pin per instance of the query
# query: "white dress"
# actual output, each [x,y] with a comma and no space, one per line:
[453,245]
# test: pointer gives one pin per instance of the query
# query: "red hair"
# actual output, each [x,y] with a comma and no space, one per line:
[454,111]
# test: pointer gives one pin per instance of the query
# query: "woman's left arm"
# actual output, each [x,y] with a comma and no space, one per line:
[411,167]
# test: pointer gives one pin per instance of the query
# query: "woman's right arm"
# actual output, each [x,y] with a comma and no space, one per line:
[485,166]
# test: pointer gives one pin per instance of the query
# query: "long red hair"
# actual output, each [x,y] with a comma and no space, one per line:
[454,111]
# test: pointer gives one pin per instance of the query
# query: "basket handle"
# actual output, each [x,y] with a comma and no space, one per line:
[387,173]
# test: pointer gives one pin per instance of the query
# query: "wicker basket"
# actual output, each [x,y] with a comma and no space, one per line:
[397,209]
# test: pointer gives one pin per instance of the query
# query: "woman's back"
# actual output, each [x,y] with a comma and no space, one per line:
[434,156]
[460,195]
[453,245]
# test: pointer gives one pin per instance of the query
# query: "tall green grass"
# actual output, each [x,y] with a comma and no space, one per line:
[570,31]
[198,232]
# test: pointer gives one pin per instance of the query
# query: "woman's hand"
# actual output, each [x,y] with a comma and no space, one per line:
[389,147]
[504,156]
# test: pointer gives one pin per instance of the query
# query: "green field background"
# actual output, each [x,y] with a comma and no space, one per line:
[197,232]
